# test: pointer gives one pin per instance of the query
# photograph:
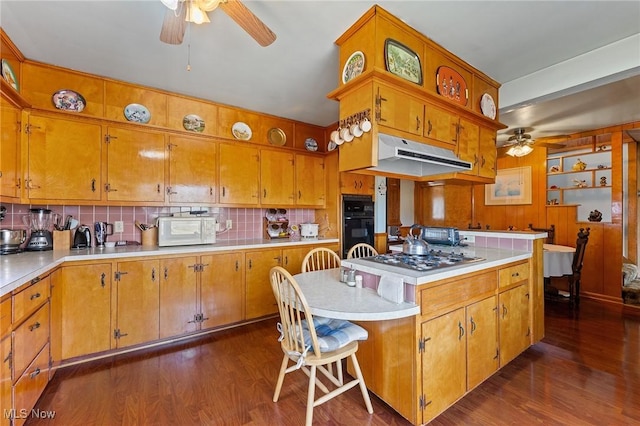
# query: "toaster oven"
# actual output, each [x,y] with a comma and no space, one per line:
[440,235]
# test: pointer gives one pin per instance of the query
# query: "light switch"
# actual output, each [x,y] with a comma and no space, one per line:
[118,226]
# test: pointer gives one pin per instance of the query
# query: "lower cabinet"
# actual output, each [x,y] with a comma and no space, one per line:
[514,322]
[178,295]
[5,358]
[260,300]
[222,291]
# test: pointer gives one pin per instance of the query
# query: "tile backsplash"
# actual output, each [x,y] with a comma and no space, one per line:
[247,223]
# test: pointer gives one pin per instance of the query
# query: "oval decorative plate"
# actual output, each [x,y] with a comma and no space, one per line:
[452,85]
[353,67]
[193,123]
[68,100]
[137,113]
[276,136]
[8,74]
[488,106]
[310,144]
[241,131]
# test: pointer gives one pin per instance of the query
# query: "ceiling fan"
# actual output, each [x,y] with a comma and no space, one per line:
[180,12]
[521,143]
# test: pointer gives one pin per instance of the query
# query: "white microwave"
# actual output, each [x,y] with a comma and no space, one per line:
[185,231]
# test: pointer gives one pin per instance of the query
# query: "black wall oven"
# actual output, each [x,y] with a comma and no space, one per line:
[357,221]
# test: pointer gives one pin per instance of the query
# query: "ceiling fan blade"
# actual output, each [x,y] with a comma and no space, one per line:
[248,21]
[173,26]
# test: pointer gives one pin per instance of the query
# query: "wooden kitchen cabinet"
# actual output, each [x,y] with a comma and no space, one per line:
[487,152]
[192,170]
[10,119]
[239,174]
[277,178]
[137,300]
[482,341]
[5,358]
[441,125]
[178,295]
[222,290]
[81,310]
[310,181]
[64,159]
[260,300]
[513,311]
[399,111]
[355,183]
[135,166]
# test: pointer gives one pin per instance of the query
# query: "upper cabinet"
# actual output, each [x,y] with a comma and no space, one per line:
[10,181]
[192,170]
[239,175]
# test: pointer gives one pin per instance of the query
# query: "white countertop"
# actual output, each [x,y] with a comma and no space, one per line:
[493,257]
[330,298]
[17,269]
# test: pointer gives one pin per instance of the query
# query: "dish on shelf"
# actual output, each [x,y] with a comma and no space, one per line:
[193,123]
[241,131]
[488,106]
[271,215]
[353,67]
[452,85]
[8,74]
[68,100]
[402,61]
[276,136]
[137,113]
[310,144]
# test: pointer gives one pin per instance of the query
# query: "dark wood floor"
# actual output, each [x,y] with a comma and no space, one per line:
[585,372]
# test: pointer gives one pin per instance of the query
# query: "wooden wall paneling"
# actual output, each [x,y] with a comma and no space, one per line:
[617,186]
[611,256]
[593,265]
[179,107]
[302,131]
[228,116]
[267,123]
[40,82]
[119,95]
[393,202]
[632,188]
[330,218]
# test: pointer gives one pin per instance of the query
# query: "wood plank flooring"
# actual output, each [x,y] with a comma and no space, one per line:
[585,372]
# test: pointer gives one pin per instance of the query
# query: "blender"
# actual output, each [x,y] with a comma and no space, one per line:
[40,222]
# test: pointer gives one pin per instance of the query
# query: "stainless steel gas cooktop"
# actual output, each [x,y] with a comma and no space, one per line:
[434,259]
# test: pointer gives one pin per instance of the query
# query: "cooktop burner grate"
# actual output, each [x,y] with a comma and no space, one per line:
[432,260]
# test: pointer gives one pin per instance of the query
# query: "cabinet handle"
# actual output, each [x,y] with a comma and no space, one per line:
[460,331]
[515,274]
[299,194]
[504,310]
[497,354]
[158,189]
[34,326]
[34,296]
[103,277]
[473,325]
[417,123]
[483,161]
[35,373]
[30,186]
[210,190]
[264,193]
[35,280]
[153,274]
[237,266]
[455,137]
[286,261]
[360,185]
[166,273]
[93,185]
[8,358]
[429,127]
[278,259]
[169,192]
[107,188]
[224,192]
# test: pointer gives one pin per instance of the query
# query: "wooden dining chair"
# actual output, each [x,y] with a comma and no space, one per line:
[320,258]
[576,266]
[313,344]
[361,250]
[551,233]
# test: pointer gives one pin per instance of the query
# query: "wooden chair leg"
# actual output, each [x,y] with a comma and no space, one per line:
[283,371]
[311,395]
[363,386]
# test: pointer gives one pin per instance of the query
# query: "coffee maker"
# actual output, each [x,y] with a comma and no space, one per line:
[40,222]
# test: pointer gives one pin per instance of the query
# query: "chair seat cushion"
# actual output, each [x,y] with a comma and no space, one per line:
[333,333]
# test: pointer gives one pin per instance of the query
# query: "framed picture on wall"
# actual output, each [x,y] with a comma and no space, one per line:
[513,186]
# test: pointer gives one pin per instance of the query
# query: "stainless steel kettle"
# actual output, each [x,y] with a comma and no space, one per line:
[414,244]
[82,237]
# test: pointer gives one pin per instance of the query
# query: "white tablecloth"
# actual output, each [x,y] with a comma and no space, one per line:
[557,260]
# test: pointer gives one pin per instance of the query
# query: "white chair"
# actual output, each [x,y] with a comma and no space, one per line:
[313,344]
[320,258]
[361,250]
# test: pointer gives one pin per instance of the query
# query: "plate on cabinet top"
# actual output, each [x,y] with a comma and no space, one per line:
[452,85]
[137,113]
[68,100]
[488,106]
[311,144]
[241,131]
[193,123]
[8,74]
[353,67]
[276,136]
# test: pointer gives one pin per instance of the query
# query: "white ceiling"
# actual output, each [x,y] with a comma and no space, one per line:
[565,66]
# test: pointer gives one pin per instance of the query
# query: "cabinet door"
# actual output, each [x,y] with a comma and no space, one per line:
[260,300]
[239,174]
[222,289]
[5,379]
[64,159]
[482,341]
[487,148]
[310,183]
[9,147]
[135,167]
[513,311]
[137,302]
[354,183]
[276,178]
[440,125]
[81,310]
[400,111]
[178,296]
[192,170]
[468,135]
[443,362]
[292,258]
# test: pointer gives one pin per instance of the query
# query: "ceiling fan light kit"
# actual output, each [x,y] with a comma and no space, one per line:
[519,150]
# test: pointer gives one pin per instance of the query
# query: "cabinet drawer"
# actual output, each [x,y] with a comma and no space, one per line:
[29,338]
[513,274]
[30,298]
[30,385]
[443,297]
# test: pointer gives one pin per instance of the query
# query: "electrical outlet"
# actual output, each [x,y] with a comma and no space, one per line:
[118,226]
[470,238]
[229,224]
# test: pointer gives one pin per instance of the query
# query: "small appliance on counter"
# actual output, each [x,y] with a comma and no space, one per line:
[184,231]
[441,235]
[40,221]
[82,237]
[102,230]
[11,239]
[309,230]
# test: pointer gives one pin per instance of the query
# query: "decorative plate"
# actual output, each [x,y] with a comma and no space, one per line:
[332,145]
[241,131]
[452,85]
[276,136]
[353,67]
[310,144]
[488,106]
[137,113]
[193,123]
[8,74]
[68,100]
[402,61]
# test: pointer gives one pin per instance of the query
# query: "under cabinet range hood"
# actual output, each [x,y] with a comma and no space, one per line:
[406,157]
